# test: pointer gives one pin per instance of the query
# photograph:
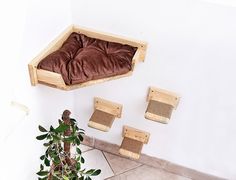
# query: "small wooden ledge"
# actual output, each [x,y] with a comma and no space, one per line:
[161,104]
[104,114]
[133,141]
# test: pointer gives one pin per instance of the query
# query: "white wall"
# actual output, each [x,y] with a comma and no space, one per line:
[28,26]
[191,51]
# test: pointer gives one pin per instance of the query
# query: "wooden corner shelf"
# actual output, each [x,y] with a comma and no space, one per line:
[55,80]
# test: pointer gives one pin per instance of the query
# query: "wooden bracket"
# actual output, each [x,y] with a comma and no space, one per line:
[136,134]
[133,141]
[108,106]
[160,104]
[163,96]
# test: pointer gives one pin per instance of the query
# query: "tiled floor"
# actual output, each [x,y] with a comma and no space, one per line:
[114,167]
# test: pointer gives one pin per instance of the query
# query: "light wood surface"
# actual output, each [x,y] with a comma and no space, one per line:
[130,154]
[98,126]
[136,134]
[155,117]
[108,106]
[133,142]
[163,96]
[53,79]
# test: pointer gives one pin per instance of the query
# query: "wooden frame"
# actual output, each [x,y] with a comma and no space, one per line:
[161,96]
[107,110]
[39,76]
[135,139]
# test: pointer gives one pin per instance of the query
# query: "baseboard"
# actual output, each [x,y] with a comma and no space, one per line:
[151,161]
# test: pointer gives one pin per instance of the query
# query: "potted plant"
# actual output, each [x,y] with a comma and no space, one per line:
[57,163]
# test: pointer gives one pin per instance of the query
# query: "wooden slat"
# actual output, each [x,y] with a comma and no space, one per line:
[136,134]
[92,82]
[130,154]
[155,117]
[33,75]
[163,96]
[50,78]
[108,106]
[98,126]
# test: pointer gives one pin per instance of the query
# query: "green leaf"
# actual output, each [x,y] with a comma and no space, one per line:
[55,138]
[77,141]
[56,160]
[88,178]
[70,139]
[46,162]
[97,172]
[65,178]
[42,157]
[73,120]
[41,167]
[60,121]
[41,137]
[78,166]
[51,128]
[42,129]
[44,178]
[81,178]
[55,178]
[81,137]
[82,159]
[42,173]
[90,171]
[46,144]
[78,151]
[61,128]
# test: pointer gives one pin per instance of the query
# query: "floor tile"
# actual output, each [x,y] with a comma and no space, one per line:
[120,164]
[82,147]
[94,159]
[145,172]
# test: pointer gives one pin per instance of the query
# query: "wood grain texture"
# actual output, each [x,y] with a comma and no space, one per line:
[53,80]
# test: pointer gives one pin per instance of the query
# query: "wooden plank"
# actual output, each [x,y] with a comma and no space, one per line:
[155,117]
[33,75]
[92,82]
[163,96]
[130,154]
[108,106]
[136,134]
[51,78]
[98,126]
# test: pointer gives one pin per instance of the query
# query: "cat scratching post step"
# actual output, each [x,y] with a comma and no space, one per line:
[104,114]
[133,141]
[161,104]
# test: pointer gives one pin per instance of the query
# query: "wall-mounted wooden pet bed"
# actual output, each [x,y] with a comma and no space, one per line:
[104,114]
[161,104]
[81,57]
[133,141]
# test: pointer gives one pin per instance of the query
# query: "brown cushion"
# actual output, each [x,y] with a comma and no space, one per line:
[82,58]
[159,108]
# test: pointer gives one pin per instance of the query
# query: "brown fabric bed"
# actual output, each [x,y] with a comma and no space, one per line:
[82,59]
